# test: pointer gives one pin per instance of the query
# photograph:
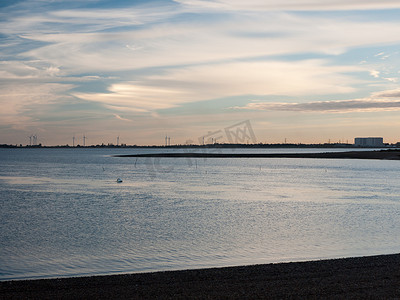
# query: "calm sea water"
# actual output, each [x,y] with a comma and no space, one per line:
[63,213]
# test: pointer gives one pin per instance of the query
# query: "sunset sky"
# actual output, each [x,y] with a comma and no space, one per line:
[302,70]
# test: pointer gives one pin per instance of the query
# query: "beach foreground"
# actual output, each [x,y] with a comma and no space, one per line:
[364,277]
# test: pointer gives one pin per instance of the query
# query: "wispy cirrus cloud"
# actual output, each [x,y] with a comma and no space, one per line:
[291,5]
[134,97]
[106,40]
[188,42]
[197,83]
[122,118]
[23,104]
[40,18]
[27,70]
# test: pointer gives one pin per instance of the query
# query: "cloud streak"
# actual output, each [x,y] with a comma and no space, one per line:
[206,82]
[377,102]
[37,17]
[84,40]
[291,5]
[22,105]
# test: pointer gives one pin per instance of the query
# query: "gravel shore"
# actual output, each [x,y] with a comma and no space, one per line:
[375,277]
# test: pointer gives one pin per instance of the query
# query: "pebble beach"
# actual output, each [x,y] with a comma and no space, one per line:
[374,277]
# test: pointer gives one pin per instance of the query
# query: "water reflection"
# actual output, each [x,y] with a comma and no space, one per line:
[64,214]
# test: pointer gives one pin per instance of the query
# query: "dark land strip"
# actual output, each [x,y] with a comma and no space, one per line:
[375,277]
[382,154]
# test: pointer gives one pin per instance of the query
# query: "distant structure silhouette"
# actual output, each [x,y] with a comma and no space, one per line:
[369,141]
[167,140]
[33,140]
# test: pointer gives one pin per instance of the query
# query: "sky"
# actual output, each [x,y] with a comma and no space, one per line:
[304,71]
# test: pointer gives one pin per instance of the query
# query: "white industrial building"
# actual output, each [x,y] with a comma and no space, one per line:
[368,142]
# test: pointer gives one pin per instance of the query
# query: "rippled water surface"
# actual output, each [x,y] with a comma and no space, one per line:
[63,213]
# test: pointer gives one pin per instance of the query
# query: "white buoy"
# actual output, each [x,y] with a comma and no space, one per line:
[119,180]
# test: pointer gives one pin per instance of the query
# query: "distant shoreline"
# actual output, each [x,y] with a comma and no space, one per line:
[188,146]
[373,277]
[382,154]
